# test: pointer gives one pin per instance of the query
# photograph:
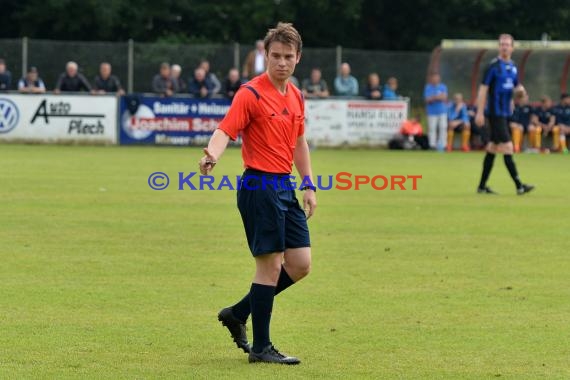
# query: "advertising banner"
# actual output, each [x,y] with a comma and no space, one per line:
[353,122]
[47,118]
[169,121]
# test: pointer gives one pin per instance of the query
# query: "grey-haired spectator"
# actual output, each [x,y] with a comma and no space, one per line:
[212,78]
[179,83]
[71,80]
[162,82]
[5,77]
[345,84]
[106,82]
[200,86]
[232,83]
[31,83]
[315,86]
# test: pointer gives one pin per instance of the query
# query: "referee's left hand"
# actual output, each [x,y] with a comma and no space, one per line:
[309,202]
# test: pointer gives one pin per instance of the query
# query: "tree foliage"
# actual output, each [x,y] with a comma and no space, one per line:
[373,24]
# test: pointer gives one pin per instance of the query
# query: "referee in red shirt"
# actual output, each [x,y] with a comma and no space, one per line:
[269,112]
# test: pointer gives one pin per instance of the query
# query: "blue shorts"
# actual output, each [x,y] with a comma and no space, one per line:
[271,214]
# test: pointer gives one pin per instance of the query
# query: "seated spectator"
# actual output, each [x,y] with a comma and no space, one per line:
[255,61]
[31,83]
[211,77]
[180,85]
[520,119]
[458,120]
[162,83]
[345,84]
[480,134]
[389,90]
[105,82]
[232,83]
[410,136]
[71,80]
[542,122]
[563,121]
[200,86]
[373,90]
[315,86]
[5,77]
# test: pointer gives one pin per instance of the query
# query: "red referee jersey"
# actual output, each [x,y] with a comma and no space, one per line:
[269,122]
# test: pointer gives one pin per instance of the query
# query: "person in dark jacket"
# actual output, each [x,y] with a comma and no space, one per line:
[200,86]
[105,82]
[71,80]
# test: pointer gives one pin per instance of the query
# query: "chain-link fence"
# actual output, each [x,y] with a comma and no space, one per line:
[545,71]
[136,63]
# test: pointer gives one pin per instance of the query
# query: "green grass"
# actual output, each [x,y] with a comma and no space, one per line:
[101,277]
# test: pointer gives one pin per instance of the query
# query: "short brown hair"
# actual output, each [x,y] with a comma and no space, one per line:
[285,33]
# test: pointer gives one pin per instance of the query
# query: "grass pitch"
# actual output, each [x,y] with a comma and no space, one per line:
[102,277]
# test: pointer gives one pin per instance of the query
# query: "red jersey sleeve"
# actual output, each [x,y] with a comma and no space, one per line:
[240,114]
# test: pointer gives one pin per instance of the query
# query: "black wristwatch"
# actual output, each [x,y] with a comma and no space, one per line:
[308,187]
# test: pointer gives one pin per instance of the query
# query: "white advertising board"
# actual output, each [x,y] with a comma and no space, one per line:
[47,118]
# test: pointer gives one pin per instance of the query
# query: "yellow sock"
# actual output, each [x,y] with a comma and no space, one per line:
[538,138]
[465,135]
[556,138]
[450,134]
[563,142]
[516,138]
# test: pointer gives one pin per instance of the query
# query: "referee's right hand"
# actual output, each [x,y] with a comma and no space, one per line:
[207,162]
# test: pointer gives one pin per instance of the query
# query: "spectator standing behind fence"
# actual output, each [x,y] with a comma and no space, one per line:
[105,82]
[345,84]
[72,80]
[162,82]
[179,84]
[5,77]
[435,95]
[31,83]
[255,61]
[389,90]
[458,120]
[373,90]
[232,83]
[200,86]
[212,78]
[315,86]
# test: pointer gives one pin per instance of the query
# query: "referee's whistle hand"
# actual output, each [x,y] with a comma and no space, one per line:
[207,162]
[309,203]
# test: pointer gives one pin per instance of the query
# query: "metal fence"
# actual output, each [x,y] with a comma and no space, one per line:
[136,63]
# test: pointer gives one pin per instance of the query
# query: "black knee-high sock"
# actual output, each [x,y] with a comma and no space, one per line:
[261,299]
[510,164]
[242,309]
[487,166]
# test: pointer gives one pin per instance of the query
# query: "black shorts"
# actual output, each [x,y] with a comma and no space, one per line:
[499,131]
[459,127]
[271,214]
